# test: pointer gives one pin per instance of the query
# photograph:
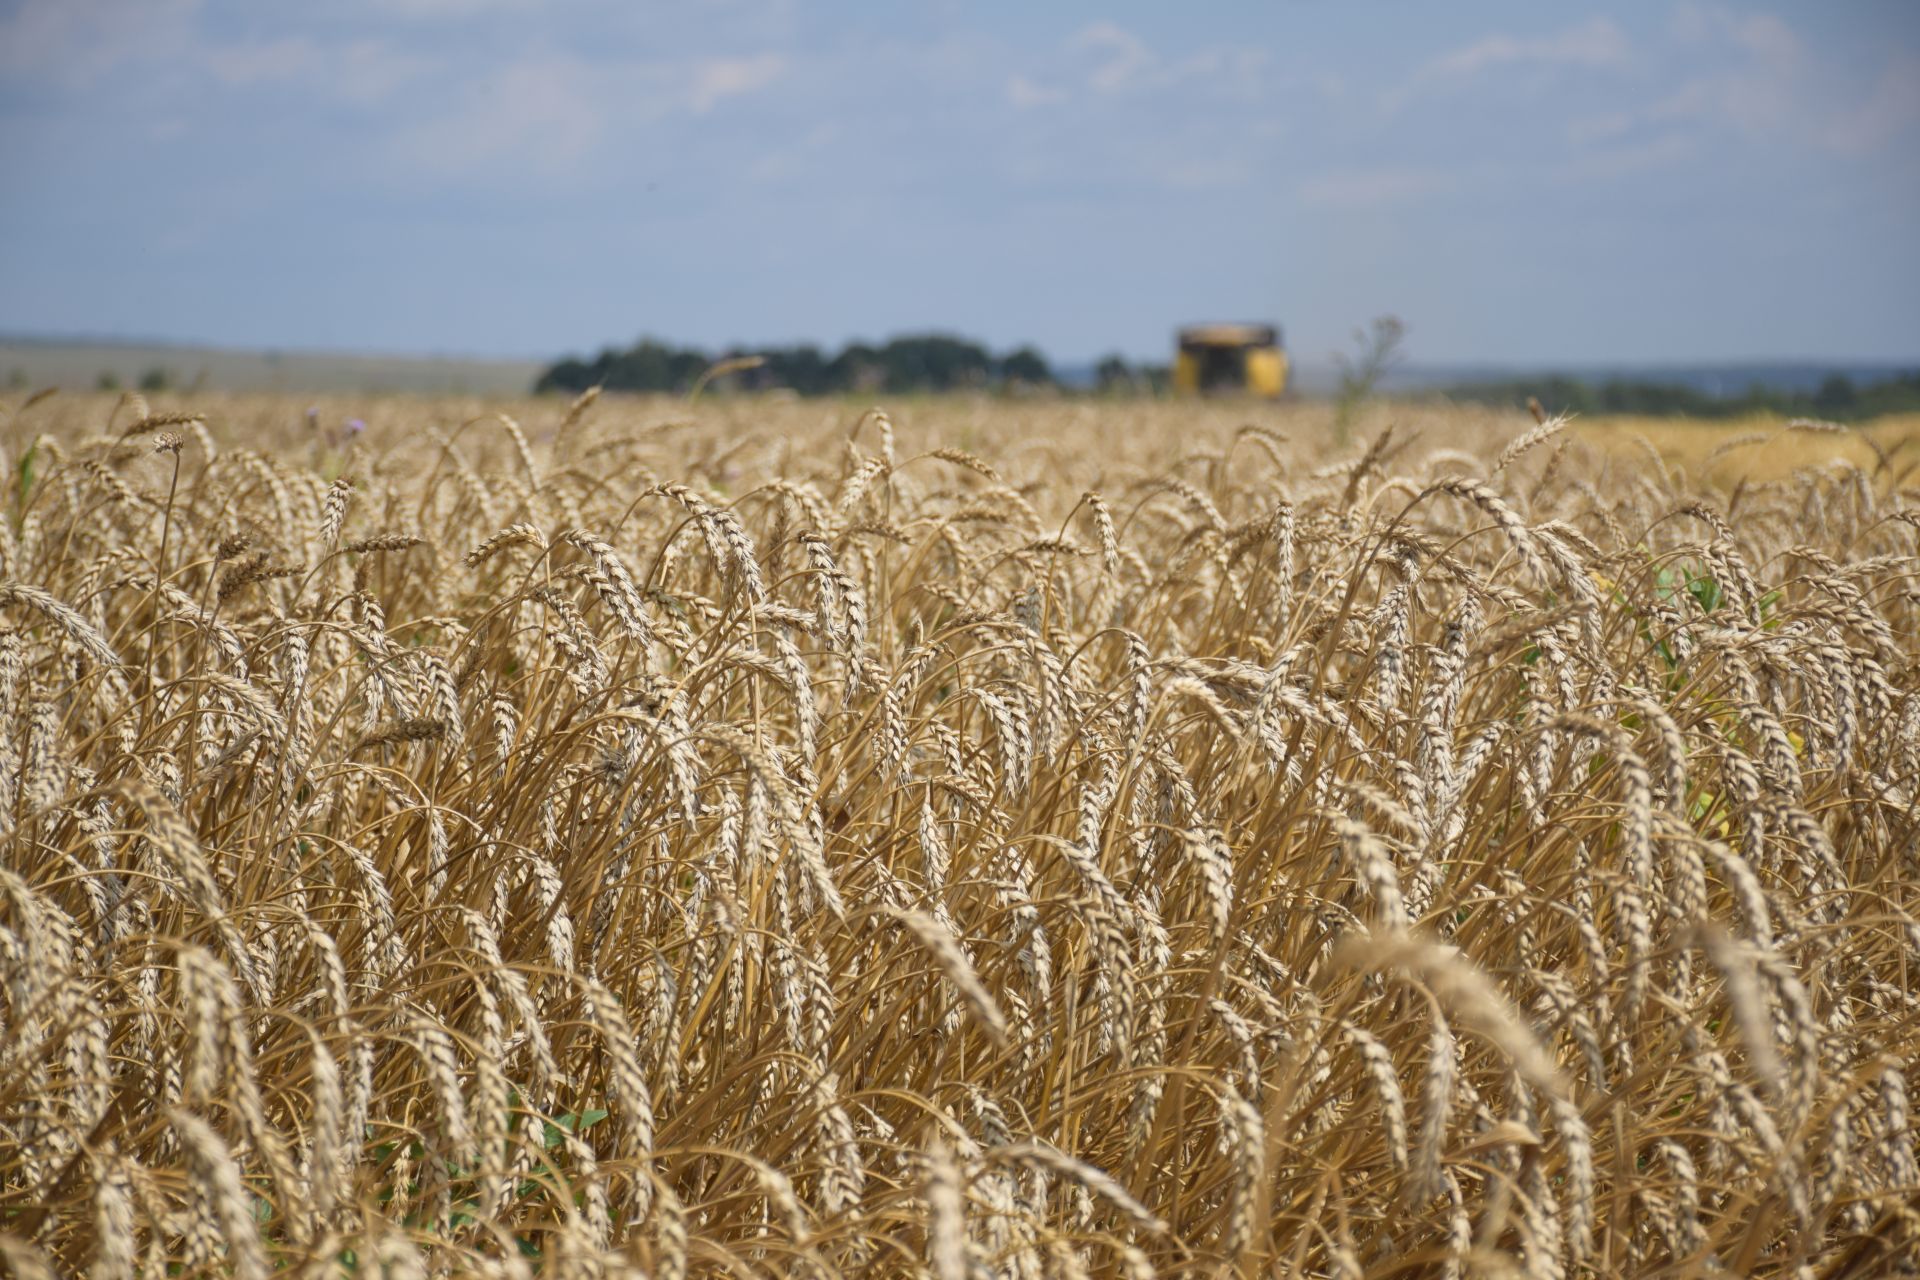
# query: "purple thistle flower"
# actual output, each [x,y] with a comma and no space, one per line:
[355,426]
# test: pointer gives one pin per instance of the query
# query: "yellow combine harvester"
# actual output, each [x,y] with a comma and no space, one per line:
[1230,359]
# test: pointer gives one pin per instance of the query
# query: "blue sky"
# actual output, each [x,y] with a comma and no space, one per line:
[1519,181]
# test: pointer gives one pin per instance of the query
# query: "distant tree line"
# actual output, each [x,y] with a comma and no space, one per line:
[1838,398]
[935,362]
[919,362]
[1115,376]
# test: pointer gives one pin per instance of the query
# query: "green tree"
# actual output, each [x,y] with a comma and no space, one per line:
[912,362]
[1837,397]
[1026,365]
[935,362]
[1113,375]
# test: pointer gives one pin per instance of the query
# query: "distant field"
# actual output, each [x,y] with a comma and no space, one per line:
[81,366]
[257,385]
[1757,448]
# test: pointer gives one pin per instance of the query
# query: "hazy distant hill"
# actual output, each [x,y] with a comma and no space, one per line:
[1734,379]
[1314,377]
[76,365]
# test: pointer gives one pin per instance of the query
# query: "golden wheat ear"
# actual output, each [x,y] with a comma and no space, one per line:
[1103,838]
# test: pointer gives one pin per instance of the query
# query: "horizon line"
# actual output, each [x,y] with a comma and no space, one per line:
[1331,359]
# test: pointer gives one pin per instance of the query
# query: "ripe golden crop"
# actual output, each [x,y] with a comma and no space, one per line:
[1030,839]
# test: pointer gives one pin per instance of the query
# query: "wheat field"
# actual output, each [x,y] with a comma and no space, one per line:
[1000,839]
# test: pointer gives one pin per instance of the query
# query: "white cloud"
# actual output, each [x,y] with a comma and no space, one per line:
[1610,163]
[1237,73]
[370,71]
[1603,127]
[1768,38]
[804,157]
[1361,189]
[364,72]
[1761,34]
[1125,64]
[717,79]
[76,43]
[1598,43]
[1026,94]
[552,114]
[1204,172]
[1124,57]
[437,10]
[536,115]
[1890,110]
[1769,87]
[295,57]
